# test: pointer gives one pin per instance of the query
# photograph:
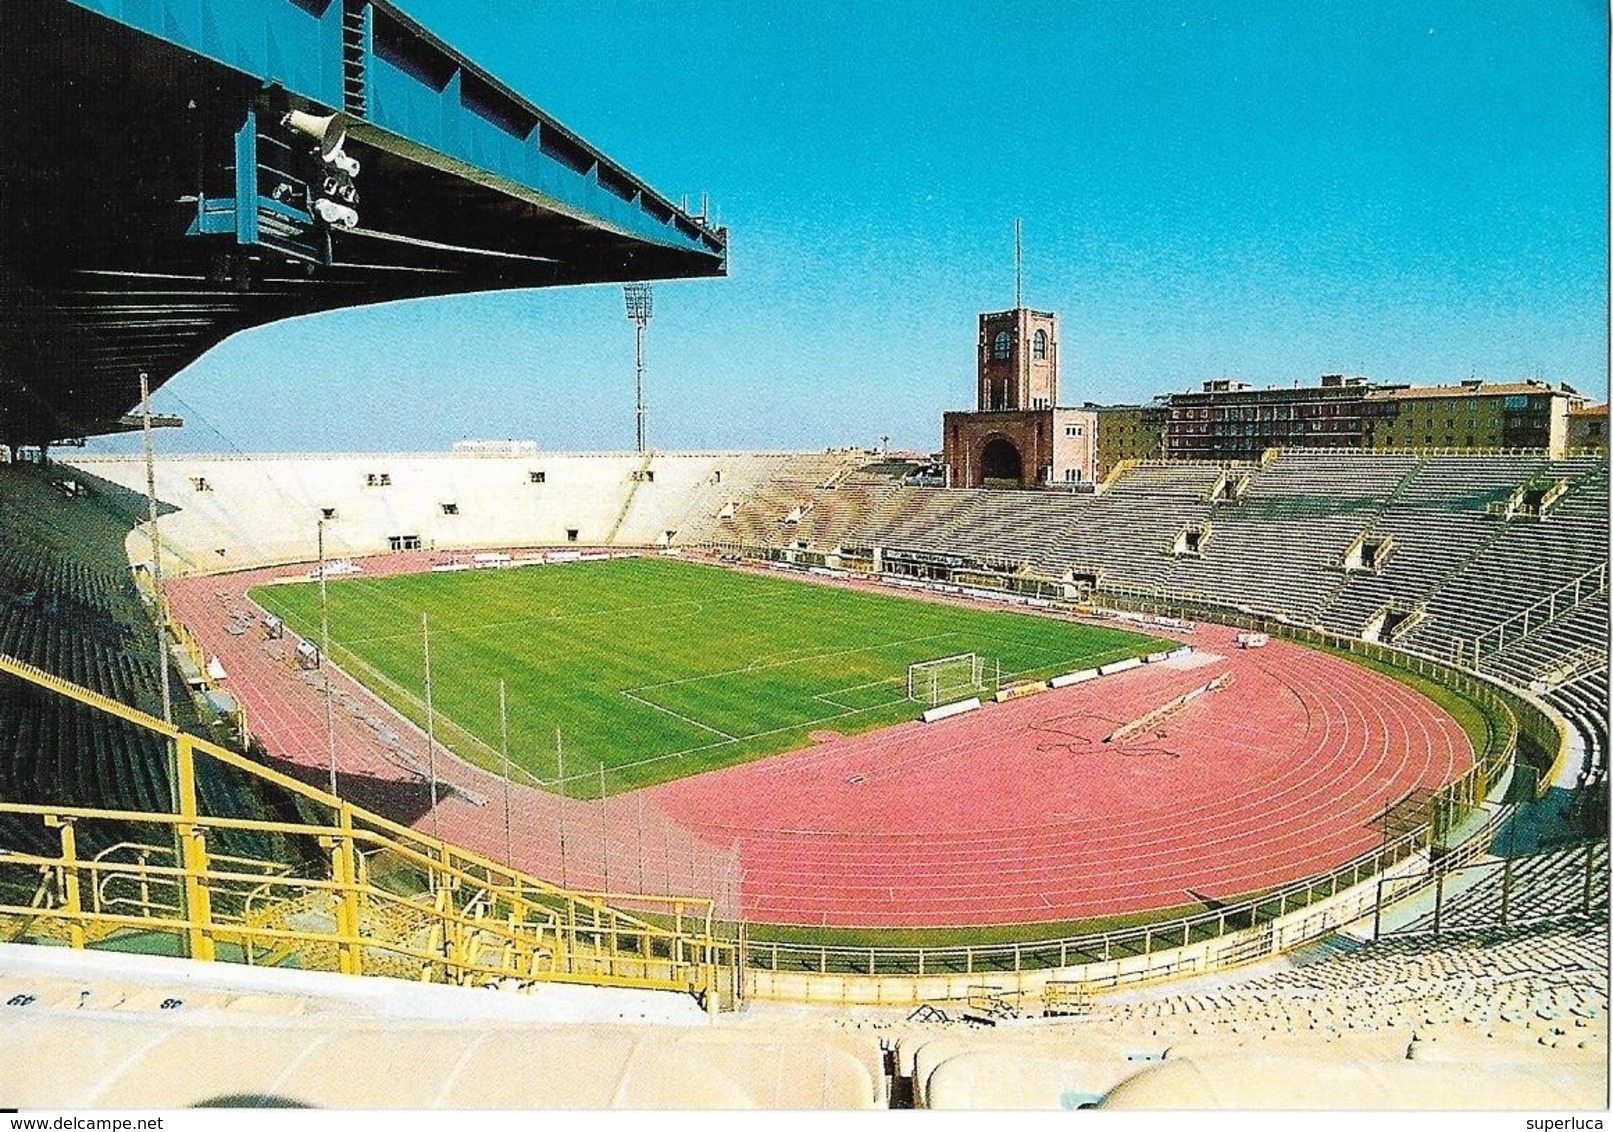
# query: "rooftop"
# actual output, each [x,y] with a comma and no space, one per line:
[1467,389]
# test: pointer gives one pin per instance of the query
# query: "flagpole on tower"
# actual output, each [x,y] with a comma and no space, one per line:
[1019,274]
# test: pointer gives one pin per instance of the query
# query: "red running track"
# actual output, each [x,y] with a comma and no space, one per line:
[1017,813]
[1021,813]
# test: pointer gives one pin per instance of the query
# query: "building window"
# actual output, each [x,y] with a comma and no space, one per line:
[1072,475]
[537,477]
[403,542]
[571,534]
[1074,430]
[378,479]
[327,513]
[1039,346]
[1002,346]
[200,483]
[450,508]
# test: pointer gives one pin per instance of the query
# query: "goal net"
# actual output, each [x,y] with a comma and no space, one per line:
[942,681]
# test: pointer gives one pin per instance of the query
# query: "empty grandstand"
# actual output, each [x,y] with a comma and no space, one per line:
[956,545]
[507,778]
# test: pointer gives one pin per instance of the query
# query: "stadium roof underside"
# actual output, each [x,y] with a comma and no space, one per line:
[156,200]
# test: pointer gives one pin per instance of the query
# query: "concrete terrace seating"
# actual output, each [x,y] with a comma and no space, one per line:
[1126,530]
[68,605]
[732,481]
[1523,984]
[1468,1007]
[1547,885]
[797,481]
[1544,650]
[1584,703]
[1314,475]
[257,510]
[168,1039]
[1437,522]
[1526,561]
[837,513]
[1277,550]
[1052,532]
[68,610]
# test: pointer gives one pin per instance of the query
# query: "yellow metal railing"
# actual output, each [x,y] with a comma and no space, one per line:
[337,888]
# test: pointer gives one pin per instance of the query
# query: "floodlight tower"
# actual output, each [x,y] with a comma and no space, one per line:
[639,303]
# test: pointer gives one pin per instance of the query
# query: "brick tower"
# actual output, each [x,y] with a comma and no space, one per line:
[1018,361]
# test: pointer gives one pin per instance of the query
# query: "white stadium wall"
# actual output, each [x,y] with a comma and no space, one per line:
[228,513]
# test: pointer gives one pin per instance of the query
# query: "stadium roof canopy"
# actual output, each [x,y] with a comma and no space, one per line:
[158,198]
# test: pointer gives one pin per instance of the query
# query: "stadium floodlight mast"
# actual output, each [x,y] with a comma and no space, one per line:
[504,750]
[156,546]
[640,304]
[431,726]
[324,662]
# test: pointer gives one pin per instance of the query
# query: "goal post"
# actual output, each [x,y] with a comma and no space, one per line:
[945,679]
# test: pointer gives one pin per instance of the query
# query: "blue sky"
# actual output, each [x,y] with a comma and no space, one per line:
[1266,190]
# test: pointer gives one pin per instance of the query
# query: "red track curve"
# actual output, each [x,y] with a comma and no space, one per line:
[1018,813]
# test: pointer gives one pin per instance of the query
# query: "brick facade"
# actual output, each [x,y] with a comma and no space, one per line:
[1017,361]
[980,449]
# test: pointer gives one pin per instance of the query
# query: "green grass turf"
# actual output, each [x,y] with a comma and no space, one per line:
[656,669]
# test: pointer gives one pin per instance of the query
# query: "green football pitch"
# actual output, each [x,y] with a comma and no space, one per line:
[651,669]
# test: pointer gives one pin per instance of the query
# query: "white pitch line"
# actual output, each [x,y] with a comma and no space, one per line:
[753,667]
[679,715]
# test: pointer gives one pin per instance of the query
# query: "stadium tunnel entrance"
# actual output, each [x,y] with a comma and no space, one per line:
[1001,464]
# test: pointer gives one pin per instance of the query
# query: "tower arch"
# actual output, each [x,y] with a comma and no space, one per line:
[1001,464]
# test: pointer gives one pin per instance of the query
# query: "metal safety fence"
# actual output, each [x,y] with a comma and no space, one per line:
[331,887]
[1453,820]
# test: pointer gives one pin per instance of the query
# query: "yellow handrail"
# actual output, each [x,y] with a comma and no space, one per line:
[476,920]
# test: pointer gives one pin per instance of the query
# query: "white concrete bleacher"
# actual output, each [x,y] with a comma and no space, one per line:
[1437,522]
[146,1032]
[230,513]
[1505,1017]
[794,485]
[1530,558]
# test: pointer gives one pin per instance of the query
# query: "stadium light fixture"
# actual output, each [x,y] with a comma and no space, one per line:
[640,302]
